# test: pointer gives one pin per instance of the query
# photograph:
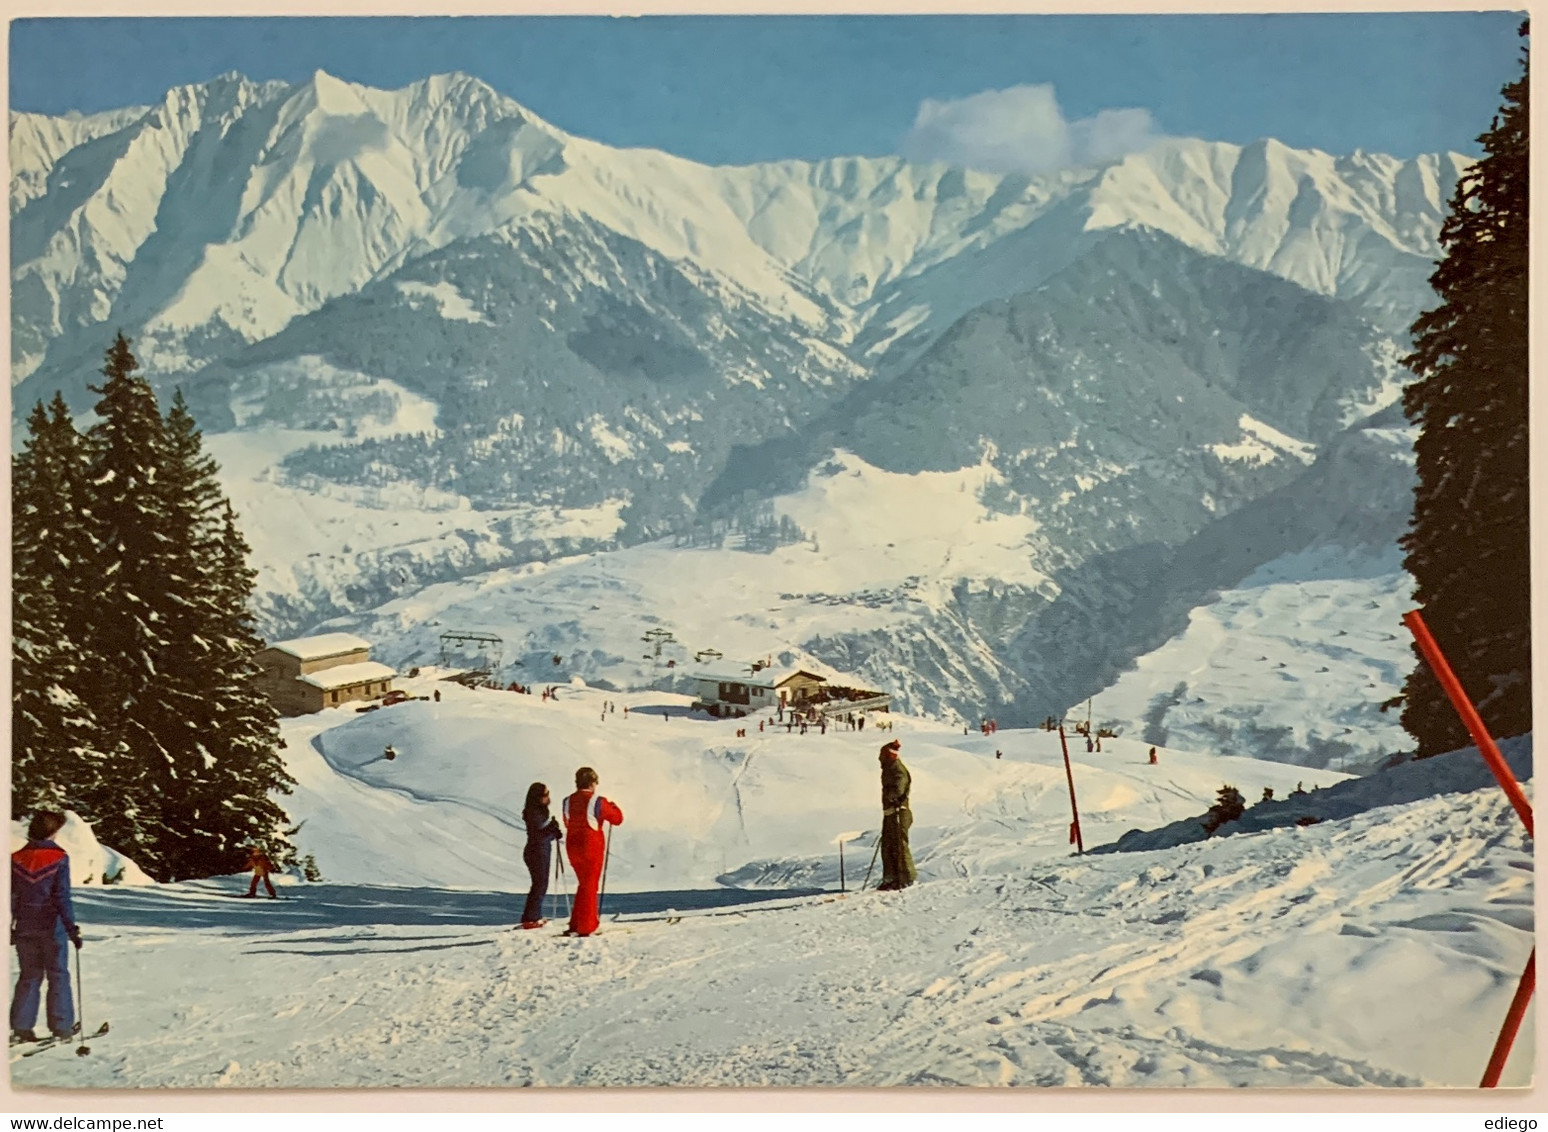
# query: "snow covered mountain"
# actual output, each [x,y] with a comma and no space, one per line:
[432,335]
[239,206]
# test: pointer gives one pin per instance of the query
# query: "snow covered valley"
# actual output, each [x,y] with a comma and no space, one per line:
[1378,948]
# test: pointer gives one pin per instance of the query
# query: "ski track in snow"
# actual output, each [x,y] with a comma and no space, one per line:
[1378,950]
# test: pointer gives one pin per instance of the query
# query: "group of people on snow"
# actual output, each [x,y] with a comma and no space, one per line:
[585,813]
[43,915]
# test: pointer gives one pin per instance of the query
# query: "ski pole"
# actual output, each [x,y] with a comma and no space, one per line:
[872,865]
[80,998]
[553,902]
[607,856]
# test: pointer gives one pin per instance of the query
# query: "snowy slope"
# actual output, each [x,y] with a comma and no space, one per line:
[1293,664]
[871,587]
[1292,958]
[700,804]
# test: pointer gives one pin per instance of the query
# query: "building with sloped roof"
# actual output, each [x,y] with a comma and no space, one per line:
[308,674]
[736,694]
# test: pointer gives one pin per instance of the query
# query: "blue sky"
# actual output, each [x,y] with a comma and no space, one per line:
[996,91]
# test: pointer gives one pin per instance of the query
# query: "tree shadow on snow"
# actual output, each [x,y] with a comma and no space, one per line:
[218,906]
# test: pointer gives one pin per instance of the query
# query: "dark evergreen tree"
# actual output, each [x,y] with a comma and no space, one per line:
[1229,805]
[134,649]
[230,801]
[56,761]
[1468,543]
[191,744]
[125,639]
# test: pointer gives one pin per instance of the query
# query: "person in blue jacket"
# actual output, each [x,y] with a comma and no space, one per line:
[542,831]
[42,926]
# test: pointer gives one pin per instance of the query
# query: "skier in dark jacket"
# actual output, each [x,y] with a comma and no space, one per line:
[542,831]
[897,862]
[42,926]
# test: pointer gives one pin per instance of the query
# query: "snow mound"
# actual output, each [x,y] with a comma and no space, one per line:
[91,862]
[1454,773]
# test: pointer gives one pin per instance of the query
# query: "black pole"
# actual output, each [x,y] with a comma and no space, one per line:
[841,864]
[872,865]
[1080,845]
[80,1006]
[607,856]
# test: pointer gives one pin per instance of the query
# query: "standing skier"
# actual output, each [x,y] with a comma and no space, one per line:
[542,831]
[897,862]
[585,812]
[262,867]
[42,924]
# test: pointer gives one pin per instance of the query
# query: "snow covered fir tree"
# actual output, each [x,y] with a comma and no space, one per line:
[133,642]
[1469,548]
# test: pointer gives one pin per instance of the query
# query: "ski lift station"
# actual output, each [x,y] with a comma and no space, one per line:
[477,654]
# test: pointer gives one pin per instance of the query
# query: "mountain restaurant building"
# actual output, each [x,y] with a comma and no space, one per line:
[743,693]
[308,674]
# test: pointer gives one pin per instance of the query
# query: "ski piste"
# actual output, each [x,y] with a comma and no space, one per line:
[20,1050]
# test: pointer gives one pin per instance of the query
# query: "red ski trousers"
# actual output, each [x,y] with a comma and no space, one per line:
[586,855]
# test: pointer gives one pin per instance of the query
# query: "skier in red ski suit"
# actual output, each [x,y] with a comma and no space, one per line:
[584,812]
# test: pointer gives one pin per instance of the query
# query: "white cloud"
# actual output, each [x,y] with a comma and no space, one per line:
[1022,130]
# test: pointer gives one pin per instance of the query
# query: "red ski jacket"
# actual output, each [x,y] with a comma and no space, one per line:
[584,813]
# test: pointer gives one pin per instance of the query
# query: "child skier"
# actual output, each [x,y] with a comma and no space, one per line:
[542,832]
[42,923]
[262,867]
[585,812]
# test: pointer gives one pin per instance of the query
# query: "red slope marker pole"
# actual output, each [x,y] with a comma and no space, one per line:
[1080,845]
[1491,753]
[1470,717]
[1513,1018]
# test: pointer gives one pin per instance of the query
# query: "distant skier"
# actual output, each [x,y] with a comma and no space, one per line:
[1088,744]
[1153,759]
[259,862]
[42,923]
[388,753]
[998,755]
[437,695]
[897,862]
[585,813]
[542,831]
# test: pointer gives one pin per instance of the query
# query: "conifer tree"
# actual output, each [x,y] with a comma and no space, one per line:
[1229,805]
[223,733]
[56,761]
[126,639]
[1468,540]
[134,648]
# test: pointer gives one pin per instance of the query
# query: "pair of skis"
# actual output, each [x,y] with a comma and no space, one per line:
[20,1050]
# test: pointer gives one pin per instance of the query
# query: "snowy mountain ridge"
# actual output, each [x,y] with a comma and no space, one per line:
[302,193]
